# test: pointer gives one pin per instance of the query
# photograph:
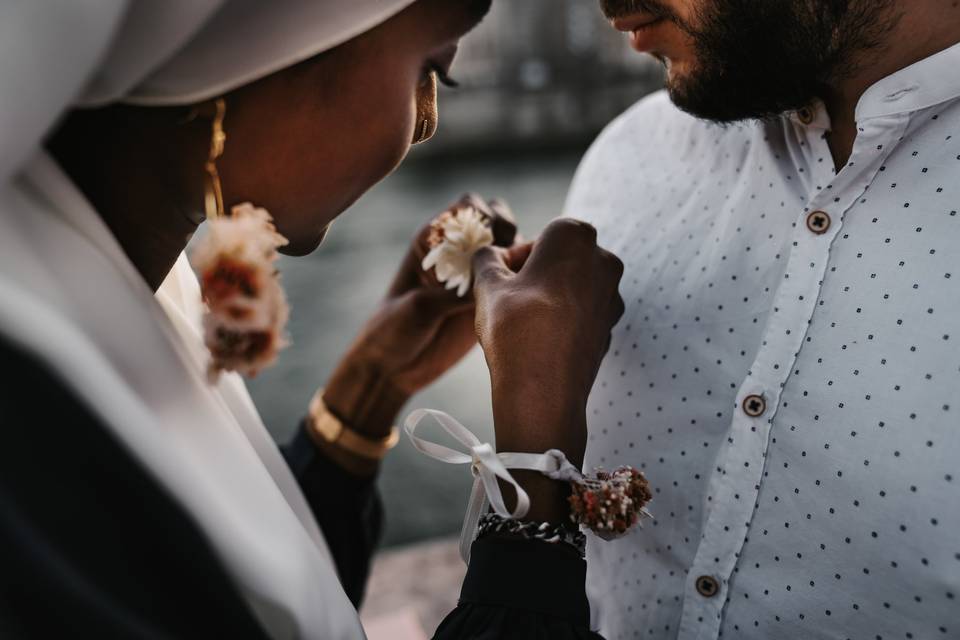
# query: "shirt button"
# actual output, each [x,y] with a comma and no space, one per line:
[818,222]
[754,406]
[805,115]
[707,586]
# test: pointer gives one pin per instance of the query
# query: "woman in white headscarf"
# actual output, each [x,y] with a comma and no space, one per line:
[137,499]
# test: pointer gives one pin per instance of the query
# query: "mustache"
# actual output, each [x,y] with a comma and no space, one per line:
[614,9]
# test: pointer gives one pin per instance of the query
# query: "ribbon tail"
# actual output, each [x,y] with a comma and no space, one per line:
[475,508]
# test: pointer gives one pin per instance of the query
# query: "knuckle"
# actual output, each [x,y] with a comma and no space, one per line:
[616,264]
[487,265]
[588,230]
[482,255]
[573,227]
[619,308]
[483,259]
[486,274]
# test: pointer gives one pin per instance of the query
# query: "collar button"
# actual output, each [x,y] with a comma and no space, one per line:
[806,115]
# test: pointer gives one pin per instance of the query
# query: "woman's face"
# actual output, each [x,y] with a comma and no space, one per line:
[306,142]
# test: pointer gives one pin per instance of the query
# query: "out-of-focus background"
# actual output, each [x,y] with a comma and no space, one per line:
[540,79]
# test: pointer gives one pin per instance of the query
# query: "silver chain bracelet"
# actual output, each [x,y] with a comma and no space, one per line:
[543,531]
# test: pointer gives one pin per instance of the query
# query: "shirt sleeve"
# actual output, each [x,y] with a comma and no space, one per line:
[520,589]
[347,508]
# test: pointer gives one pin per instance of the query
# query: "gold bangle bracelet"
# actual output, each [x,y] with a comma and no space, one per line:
[326,425]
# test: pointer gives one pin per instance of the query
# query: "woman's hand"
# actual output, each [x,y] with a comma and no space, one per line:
[418,333]
[544,331]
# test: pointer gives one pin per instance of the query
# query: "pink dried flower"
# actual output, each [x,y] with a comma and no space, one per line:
[610,503]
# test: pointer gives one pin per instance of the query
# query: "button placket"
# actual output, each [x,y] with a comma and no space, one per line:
[733,489]
[742,459]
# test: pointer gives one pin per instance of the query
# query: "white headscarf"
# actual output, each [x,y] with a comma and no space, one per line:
[56,54]
[70,297]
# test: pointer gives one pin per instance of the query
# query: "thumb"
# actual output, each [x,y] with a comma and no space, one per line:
[490,266]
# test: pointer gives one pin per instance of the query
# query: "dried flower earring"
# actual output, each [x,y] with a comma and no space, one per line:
[244,325]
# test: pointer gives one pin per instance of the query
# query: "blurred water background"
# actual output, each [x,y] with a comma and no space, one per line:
[540,78]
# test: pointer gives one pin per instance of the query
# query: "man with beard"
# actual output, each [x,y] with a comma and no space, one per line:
[787,369]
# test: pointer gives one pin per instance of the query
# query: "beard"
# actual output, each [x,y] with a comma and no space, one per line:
[756,59]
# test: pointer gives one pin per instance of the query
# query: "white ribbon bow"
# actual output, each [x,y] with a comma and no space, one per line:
[487,465]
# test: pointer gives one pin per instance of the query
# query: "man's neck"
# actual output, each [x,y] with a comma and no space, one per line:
[923,28]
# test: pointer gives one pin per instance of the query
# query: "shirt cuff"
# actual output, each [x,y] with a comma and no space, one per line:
[528,575]
[310,465]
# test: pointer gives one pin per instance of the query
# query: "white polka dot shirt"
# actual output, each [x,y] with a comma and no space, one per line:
[787,373]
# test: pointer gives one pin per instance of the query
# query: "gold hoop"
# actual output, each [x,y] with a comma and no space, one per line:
[424,128]
[213,193]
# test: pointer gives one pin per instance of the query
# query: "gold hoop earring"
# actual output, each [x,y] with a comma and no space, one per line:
[246,315]
[424,131]
[212,191]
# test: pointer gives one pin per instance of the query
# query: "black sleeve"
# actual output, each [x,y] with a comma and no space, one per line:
[347,508]
[520,589]
[90,545]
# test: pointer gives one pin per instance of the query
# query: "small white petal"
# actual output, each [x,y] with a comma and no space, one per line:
[464,233]
[431,258]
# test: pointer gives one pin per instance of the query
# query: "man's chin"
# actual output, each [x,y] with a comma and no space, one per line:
[723,105]
[701,109]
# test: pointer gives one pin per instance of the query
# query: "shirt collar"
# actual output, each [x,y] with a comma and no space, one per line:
[923,84]
[813,116]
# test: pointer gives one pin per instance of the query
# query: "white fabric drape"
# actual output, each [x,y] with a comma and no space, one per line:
[70,297]
[183,51]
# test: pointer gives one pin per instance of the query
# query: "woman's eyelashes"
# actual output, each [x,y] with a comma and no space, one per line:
[442,76]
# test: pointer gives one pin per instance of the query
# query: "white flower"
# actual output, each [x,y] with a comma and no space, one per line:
[455,237]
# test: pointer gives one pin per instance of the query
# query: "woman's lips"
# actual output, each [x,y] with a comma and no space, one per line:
[641,27]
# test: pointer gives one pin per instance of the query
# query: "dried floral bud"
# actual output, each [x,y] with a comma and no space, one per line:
[610,503]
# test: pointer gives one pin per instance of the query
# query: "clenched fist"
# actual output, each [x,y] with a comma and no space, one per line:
[544,331]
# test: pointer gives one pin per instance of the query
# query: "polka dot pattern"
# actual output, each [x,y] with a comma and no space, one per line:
[832,512]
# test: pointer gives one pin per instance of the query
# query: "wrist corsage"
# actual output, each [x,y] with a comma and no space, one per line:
[607,504]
